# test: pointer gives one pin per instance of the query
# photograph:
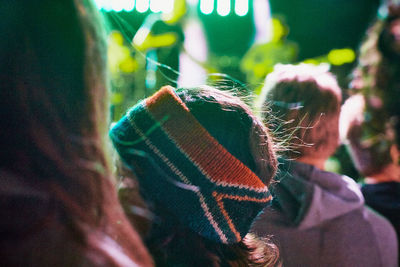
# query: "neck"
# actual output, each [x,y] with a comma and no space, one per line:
[316,162]
[390,173]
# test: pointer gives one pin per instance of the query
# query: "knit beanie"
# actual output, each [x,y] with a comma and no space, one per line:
[180,166]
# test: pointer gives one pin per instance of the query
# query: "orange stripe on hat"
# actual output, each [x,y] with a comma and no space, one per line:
[219,197]
[198,145]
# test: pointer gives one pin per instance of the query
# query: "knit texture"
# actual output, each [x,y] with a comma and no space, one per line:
[181,166]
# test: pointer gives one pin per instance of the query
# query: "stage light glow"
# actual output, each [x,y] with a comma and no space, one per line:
[129,5]
[241,7]
[155,5]
[99,4]
[223,7]
[206,6]
[117,6]
[142,6]
[167,6]
[103,4]
[341,56]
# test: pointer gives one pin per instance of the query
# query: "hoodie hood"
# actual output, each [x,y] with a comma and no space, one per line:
[309,196]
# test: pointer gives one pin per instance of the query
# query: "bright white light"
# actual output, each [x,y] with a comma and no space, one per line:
[223,7]
[207,6]
[167,6]
[117,5]
[155,5]
[129,5]
[192,2]
[241,7]
[99,4]
[142,5]
[107,5]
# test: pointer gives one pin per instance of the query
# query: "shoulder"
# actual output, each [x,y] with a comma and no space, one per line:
[384,235]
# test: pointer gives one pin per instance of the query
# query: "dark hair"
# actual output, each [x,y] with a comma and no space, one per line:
[53,106]
[305,104]
[388,75]
[234,126]
[367,140]
[173,244]
[377,80]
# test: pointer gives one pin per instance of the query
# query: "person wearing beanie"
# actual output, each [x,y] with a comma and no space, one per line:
[203,163]
[370,117]
[318,218]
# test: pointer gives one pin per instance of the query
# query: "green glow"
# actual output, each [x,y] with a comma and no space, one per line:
[129,5]
[341,56]
[241,7]
[142,6]
[223,7]
[206,6]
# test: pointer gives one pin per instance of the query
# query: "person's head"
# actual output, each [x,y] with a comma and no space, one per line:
[388,73]
[54,109]
[370,118]
[53,89]
[305,101]
[203,162]
[368,143]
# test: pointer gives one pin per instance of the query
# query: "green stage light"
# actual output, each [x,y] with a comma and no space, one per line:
[223,7]
[206,6]
[341,56]
[241,7]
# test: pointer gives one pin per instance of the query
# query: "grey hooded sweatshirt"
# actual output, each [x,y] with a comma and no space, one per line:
[319,219]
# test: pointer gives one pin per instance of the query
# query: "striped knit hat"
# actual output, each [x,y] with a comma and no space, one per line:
[182,167]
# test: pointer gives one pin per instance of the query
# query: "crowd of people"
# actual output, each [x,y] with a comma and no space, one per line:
[205,177]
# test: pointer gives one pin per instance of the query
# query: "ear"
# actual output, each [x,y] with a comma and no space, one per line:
[395,154]
[351,116]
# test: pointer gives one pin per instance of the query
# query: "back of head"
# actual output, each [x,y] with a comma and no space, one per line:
[388,74]
[203,162]
[366,134]
[305,102]
[231,122]
[53,90]
[374,131]
[53,112]
[376,81]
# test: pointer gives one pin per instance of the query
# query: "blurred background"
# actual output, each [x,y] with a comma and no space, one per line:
[229,42]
